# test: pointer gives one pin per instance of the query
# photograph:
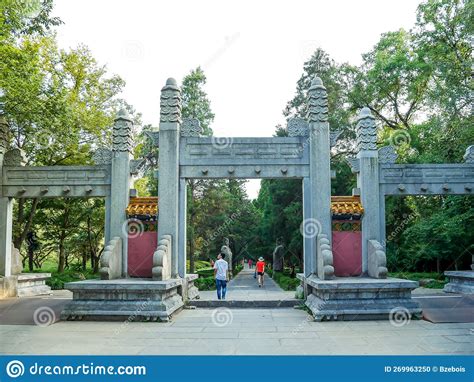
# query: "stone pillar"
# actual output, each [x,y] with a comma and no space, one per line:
[168,175]
[119,193]
[182,228]
[368,181]
[320,157]
[6,208]
[309,241]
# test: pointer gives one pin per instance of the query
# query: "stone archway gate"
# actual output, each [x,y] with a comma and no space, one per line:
[184,154]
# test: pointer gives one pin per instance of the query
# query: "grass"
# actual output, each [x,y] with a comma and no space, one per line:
[439,281]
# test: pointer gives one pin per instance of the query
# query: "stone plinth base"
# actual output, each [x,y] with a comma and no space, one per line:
[359,298]
[460,282]
[25,285]
[124,299]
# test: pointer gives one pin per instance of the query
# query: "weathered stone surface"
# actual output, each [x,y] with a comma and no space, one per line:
[460,282]
[17,265]
[377,260]
[366,131]
[14,157]
[324,258]
[102,156]
[162,259]
[298,127]
[111,260]
[387,154]
[122,138]
[191,127]
[4,134]
[170,102]
[469,155]
[317,101]
[25,285]
[123,299]
[351,298]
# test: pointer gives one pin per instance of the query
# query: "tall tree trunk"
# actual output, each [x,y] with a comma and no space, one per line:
[18,240]
[62,255]
[30,259]
[84,259]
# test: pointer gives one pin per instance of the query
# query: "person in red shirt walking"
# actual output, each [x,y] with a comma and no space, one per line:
[260,268]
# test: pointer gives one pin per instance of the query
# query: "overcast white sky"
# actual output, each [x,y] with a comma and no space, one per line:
[251,51]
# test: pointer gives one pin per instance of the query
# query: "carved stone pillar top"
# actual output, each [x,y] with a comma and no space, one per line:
[387,154]
[122,139]
[317,101]
[14,157]
[366,131]
[469,155]
[298,127]
[191,127]
[170,102]
[3,134]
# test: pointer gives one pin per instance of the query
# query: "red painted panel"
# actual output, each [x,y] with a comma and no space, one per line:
[347,253]
[140,254]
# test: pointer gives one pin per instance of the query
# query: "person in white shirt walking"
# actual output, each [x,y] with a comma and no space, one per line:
[221,270]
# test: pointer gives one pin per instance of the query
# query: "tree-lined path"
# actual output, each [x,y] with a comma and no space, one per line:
[243,291]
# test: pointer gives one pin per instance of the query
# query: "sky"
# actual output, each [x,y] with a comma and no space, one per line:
[252,52]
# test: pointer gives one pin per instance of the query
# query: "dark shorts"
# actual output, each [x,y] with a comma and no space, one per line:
[260,273]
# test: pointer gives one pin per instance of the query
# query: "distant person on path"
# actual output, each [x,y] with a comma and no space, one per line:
[250,263]
[260,268]
[221,270]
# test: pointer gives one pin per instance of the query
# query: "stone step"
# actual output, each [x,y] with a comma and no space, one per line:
[249,304]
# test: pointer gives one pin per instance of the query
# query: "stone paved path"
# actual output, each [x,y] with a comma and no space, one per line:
[245,288]
[238,331]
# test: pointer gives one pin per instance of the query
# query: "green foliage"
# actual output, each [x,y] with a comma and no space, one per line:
[284,281]
[439,280]
[205,283]
[237,269]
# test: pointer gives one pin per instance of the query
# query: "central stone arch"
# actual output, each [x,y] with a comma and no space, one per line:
[185,154]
